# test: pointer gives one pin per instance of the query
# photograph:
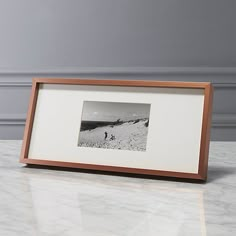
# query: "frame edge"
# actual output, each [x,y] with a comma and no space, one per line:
[29,121]
[206,131]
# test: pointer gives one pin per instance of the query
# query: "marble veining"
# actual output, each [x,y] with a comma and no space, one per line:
[36,201]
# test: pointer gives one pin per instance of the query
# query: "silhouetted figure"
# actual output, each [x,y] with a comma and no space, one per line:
[105,136]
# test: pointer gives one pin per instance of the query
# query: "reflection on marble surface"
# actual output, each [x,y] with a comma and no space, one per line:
[51,202]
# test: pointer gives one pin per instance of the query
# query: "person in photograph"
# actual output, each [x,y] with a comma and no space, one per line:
[105,135]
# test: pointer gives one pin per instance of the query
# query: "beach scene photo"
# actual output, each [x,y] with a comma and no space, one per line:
[114,125]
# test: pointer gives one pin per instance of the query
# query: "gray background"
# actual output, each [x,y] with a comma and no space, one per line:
[189,40]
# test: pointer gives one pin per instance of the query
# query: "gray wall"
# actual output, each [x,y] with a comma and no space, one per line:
[126,39]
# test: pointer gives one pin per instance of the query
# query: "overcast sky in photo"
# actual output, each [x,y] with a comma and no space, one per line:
[111,111]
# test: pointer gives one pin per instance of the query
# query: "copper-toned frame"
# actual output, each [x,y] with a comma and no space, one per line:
[205,133]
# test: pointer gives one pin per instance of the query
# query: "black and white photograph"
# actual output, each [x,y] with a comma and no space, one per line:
[114,125]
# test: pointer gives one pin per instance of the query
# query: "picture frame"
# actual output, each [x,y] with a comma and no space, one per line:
[153,128]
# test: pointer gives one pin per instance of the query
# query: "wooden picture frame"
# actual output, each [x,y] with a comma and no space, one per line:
[177,106]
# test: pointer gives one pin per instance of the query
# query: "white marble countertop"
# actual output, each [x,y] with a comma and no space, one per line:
[54,202]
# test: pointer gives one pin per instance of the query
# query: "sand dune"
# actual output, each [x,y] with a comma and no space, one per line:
[128,136]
